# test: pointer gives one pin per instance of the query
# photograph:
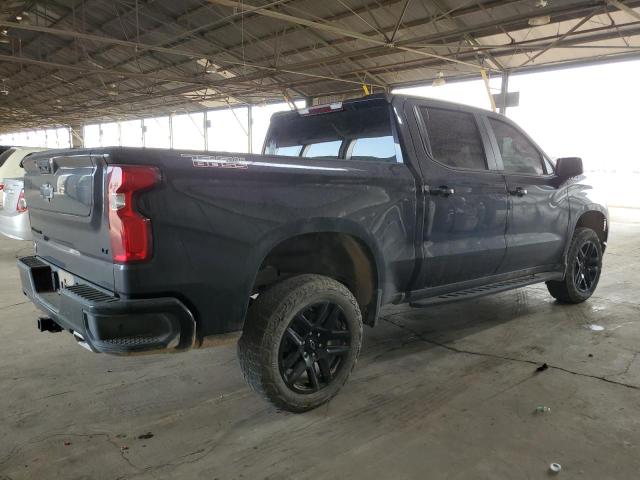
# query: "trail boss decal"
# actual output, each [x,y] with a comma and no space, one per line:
[217,161]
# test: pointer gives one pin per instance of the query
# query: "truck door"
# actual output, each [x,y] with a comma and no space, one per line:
[538,218]
[465,197]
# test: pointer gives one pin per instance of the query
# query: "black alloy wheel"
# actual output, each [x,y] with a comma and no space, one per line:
[587,267]
[300,341]
[313,347]
[583,268]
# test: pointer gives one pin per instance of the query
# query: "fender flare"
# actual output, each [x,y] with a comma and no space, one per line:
[576,214]
[273,238]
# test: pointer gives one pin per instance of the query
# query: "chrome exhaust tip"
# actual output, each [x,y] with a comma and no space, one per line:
[81,341]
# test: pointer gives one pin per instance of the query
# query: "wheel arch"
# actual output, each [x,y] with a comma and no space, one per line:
[337,248]
[597,221]
[594,216]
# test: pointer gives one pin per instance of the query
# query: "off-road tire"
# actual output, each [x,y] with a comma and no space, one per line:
[267,321]
[566,290]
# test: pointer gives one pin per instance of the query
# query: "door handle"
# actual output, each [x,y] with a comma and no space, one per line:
[442,190]
[518,191]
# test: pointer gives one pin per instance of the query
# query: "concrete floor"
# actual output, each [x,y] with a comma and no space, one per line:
[447,392]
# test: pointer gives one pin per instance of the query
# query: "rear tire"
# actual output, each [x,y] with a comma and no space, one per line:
[300,342]
[584,264]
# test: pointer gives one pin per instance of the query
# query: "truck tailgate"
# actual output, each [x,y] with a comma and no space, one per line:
[64,194]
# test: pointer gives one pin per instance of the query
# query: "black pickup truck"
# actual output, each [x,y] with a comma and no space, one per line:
[351,206]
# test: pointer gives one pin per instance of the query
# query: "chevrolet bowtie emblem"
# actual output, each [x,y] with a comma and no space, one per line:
[47,191]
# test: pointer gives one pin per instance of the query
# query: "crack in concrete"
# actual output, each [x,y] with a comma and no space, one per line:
[55,394]
[15,304]
[106,435]
[506,358]
[626,370]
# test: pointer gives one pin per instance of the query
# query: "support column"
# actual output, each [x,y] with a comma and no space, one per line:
[171,131]
[77,135]
[250,128]
[206,123]
[504,89]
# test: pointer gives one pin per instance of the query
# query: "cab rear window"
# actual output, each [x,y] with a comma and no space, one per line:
[360,132]
[379,148]
[323,149]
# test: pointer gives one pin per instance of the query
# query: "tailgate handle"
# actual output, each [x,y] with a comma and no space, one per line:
[45,165]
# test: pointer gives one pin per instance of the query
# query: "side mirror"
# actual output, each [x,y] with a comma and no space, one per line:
[569,167]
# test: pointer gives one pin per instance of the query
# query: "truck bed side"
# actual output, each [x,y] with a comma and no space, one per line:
[216,216]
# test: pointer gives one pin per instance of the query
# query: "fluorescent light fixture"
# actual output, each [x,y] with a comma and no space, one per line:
[210,67]
[439,80]
[539,21]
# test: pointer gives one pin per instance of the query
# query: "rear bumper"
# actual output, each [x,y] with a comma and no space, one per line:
[102,321]
[15,226]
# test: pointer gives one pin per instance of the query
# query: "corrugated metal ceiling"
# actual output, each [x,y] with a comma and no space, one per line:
[68,61]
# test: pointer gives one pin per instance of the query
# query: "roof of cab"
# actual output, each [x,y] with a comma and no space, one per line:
[29,149]
[391,97]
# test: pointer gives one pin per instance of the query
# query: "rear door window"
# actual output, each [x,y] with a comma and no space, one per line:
[519,155]
[454,138]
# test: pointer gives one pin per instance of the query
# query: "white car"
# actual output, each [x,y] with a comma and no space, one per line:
[10,162]
[14,218]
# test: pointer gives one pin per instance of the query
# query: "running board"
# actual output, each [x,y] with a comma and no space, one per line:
[489,289]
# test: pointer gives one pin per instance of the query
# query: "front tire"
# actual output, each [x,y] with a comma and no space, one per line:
[584,264]
[300,342]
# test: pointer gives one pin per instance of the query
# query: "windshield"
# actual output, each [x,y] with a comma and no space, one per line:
[6,154]
[359,132]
